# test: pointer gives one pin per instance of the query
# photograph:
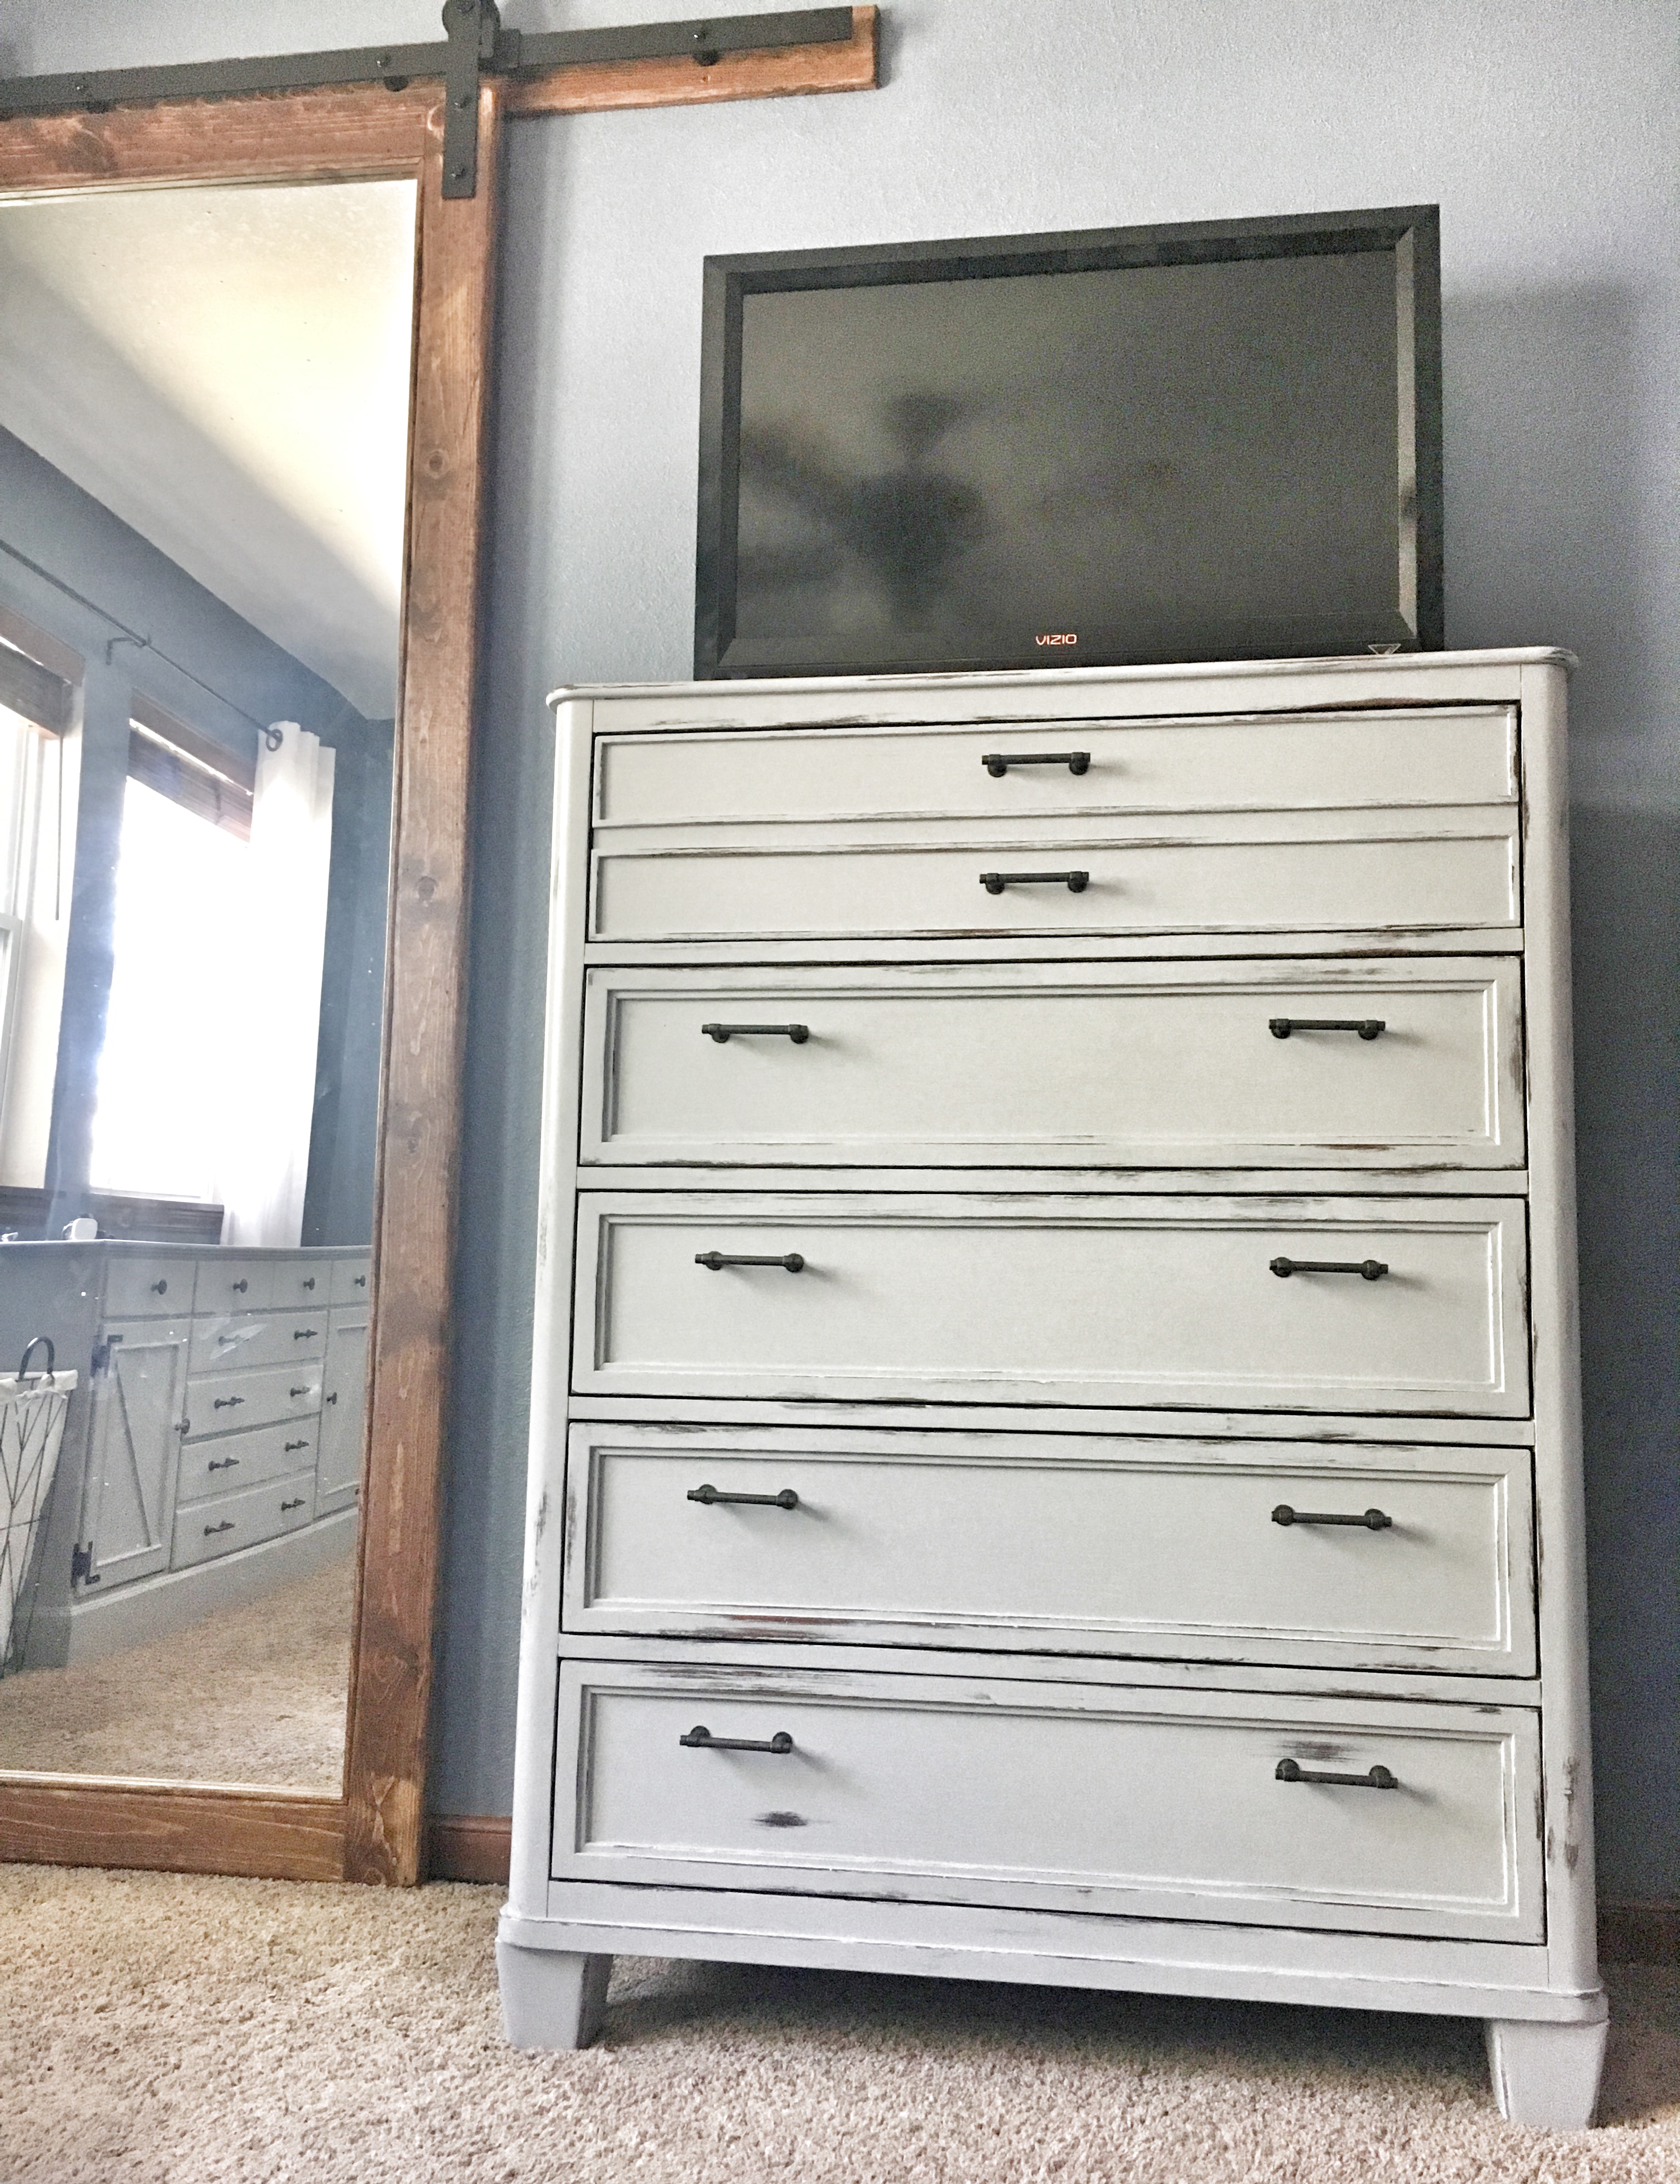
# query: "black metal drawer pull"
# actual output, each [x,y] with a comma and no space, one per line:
[227,1402]
[998,763]
[309,1281]
[304,1333]
[286,1507]
[1372,1519]
[787,1499]
[241,1285]
[292,1446]
[995,882]
[223,1463]
[1371,1270]
[225,1525]
[1366,1027]
[295,1392]
[793,1261]
[1379,1778]
[159,1288]
[723,1032]
[700,1739]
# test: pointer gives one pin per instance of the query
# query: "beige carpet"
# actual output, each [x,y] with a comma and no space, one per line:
[249,1694]
[157,2030]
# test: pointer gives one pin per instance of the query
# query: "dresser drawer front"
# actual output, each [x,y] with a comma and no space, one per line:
[1148,1803]
[1450,754]
[350,1282]
[1399,872]
[1147,1301]
[232,1284]
[1149,1547]
[207,1530]
[137,1286]
[220,1403]
[240,1341]
[303,1285]
[1139,1065]
[232,1460]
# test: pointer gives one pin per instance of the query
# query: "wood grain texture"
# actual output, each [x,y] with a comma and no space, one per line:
[172,1827]
[779,72]
[293,136]
[414,1220]
[468,1846]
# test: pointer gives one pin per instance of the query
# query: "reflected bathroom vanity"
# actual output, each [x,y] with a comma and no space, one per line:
[213,1451]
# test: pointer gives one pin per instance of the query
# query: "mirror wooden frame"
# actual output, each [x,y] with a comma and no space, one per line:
[375,1831]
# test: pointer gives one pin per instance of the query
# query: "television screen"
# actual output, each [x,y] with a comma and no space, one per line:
[1183,444]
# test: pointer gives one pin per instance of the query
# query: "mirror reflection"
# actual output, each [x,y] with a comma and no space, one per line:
[203,424]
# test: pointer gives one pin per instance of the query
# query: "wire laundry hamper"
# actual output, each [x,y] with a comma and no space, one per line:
[32,1408]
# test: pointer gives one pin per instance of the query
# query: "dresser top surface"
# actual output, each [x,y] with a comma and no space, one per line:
[1397,670]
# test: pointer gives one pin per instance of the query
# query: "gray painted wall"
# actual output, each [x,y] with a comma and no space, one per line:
[1545,130]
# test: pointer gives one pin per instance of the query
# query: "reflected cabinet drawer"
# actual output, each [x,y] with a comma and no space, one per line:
[1243,1551]
[1154,1065]
[205,1529]
[230,1341]
[1393,1817]
[219,1403]
[1264,762]
[1354,1305]
[1391,871]
[234,1460]
[136,1285]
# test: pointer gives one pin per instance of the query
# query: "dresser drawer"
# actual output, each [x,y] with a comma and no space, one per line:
[1137,1065]
[1147,1803]
[1149,1301]
[1055,1543]
[237,1460]
[136,1285]
[300,1284]
[242,1340]
[1391,871]
[242,1520]
[1257,762]
[219,1403]
[349,1281]
[229,1283]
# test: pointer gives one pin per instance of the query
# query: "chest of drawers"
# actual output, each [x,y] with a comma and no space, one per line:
[1055,1347]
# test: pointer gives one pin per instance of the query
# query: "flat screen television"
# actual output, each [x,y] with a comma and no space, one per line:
[1219,441]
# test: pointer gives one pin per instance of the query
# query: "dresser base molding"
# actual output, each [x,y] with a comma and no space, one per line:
[1545,2049]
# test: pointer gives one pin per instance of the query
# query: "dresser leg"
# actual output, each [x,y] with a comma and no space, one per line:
[1546,2074]
[551,1998]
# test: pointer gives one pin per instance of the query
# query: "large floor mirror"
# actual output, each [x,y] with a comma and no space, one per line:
[203,430]
[236,675]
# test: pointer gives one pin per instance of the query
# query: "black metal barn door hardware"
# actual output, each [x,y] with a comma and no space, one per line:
[477,46]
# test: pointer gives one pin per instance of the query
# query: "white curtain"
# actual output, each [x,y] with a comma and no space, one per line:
[275,1016]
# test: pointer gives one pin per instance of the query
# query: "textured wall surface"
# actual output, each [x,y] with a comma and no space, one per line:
[1546,131]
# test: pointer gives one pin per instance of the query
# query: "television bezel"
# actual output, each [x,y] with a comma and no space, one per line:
[1410,231]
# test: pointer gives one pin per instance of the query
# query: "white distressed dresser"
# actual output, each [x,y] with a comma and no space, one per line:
[1056,1346]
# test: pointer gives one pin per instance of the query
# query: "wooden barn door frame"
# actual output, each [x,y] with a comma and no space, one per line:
[374,1830]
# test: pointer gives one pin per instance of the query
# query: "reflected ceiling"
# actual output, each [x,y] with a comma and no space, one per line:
[227,370]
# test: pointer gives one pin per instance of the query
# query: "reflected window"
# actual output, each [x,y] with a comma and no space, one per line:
[34,915]
[168,1115]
